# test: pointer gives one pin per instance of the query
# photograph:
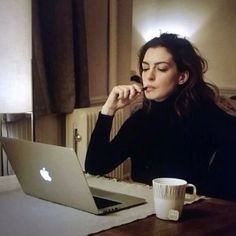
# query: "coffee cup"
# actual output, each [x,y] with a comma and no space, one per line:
[169,197]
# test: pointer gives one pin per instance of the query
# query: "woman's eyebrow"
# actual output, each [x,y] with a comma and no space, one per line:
[156,63]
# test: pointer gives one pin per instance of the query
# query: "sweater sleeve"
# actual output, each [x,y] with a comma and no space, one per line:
[104,155]
[222,127]
[222,171]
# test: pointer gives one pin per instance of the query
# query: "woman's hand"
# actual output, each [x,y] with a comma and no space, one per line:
[120,96]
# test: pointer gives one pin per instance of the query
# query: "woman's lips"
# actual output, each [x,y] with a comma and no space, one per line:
[148,88]
[144,88]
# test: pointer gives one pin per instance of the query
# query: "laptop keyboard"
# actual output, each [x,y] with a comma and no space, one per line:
[102,202]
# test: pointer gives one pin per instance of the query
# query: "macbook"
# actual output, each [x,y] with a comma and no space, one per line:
[53,173]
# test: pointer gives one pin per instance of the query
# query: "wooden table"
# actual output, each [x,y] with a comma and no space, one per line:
[206,217]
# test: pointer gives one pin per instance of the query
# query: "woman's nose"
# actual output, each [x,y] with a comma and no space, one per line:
[151,74]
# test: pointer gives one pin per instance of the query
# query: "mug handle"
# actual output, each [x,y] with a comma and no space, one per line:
[189,198]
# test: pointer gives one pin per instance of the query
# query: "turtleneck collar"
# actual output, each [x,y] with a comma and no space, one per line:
[168,103]
[164,111]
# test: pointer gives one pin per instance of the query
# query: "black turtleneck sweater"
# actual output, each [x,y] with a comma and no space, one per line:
[199,148]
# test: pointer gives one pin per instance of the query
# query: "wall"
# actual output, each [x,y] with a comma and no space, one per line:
[124,35]
[216,39]
[208,24]
[15,56]
[109,32]
[96,19]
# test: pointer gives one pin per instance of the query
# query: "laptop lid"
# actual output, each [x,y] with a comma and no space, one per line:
[54,173]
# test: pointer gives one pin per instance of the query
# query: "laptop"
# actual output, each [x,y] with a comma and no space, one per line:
[54,173]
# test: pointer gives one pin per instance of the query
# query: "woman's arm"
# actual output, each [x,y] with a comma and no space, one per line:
[222,169]
[103,155]
[222,126]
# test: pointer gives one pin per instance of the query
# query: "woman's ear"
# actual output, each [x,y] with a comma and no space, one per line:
[183,78]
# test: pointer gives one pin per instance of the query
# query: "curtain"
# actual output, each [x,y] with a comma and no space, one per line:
[59,64]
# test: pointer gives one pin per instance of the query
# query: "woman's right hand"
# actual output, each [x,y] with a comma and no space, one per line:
[120,97]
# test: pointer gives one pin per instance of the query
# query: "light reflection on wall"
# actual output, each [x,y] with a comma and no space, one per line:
[167,27]
[181,17]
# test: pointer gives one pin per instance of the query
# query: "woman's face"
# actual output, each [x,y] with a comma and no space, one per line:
[160,74]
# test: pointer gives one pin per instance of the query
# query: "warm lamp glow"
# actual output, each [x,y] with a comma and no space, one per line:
[169,16]
[180,26]
[179,29]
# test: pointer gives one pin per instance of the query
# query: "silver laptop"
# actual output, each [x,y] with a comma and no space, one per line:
[54,173]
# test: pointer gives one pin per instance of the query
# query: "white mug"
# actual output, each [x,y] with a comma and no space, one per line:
[169,196]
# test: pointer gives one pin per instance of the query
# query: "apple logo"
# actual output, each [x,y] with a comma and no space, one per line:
[45,175]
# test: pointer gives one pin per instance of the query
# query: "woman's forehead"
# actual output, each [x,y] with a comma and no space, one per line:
[157,54]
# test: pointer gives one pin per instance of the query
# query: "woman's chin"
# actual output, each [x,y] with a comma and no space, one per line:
[156,98]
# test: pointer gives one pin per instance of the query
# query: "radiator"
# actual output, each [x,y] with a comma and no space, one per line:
[79,127]
[15,126]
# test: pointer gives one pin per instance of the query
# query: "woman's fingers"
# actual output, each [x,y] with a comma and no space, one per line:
[120,97]
[135,91]
[127,91]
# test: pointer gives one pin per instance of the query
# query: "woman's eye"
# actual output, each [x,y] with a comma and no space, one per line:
[145,69]
[162,69]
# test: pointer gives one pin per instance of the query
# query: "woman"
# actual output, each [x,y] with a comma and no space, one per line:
[179,132]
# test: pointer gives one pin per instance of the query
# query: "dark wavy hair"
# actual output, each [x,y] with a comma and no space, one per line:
[195,90]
